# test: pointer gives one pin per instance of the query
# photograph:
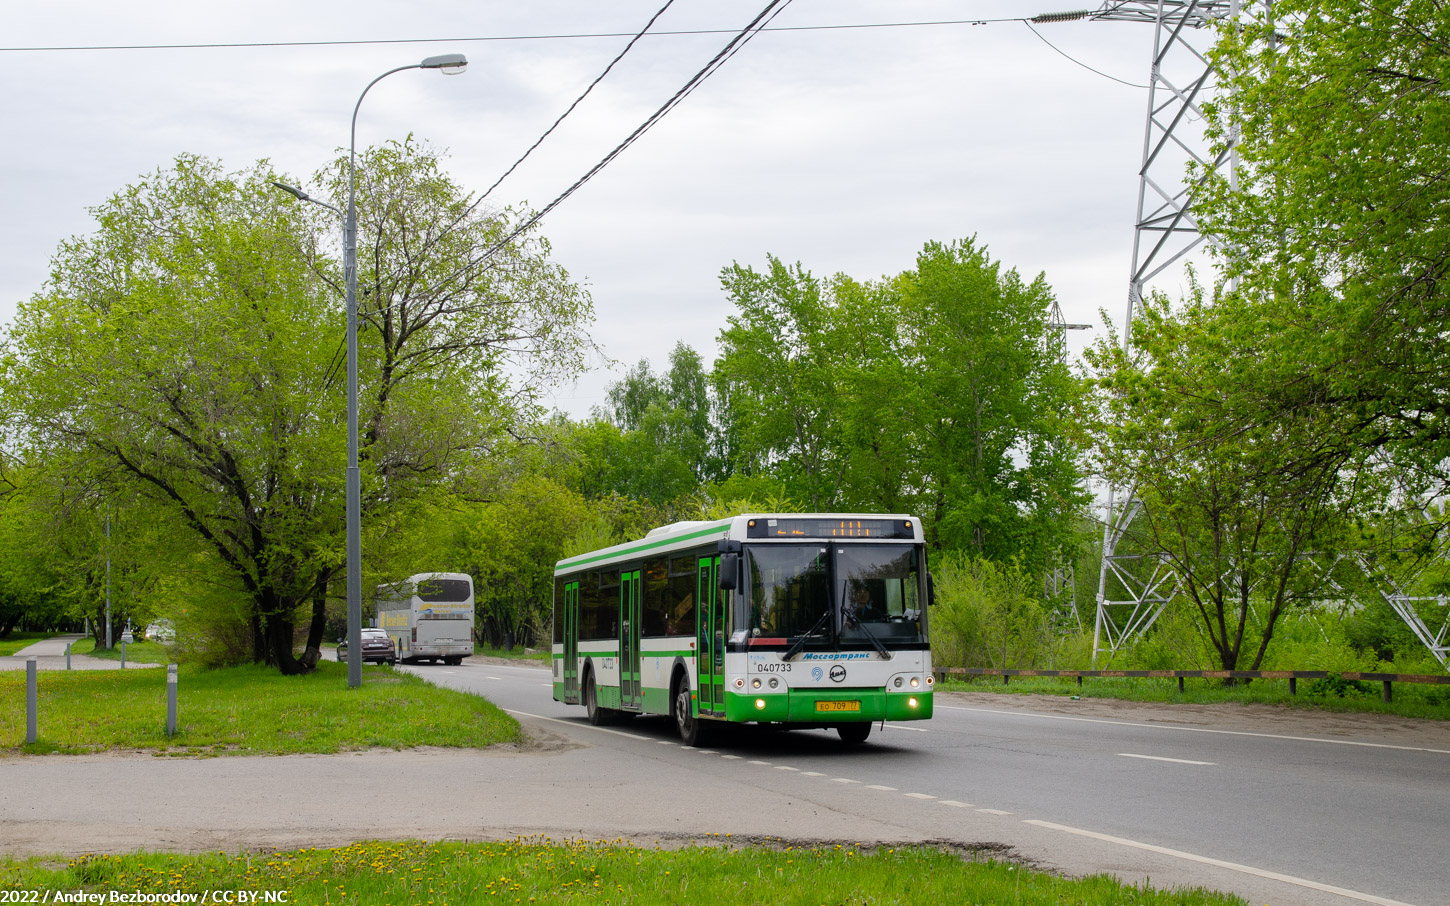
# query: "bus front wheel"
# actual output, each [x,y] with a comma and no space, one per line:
[854,734]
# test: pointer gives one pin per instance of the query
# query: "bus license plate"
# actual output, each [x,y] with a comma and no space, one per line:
[838,706]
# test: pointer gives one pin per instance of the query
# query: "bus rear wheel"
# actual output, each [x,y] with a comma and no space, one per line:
[694,732]
[854,734]
[597,716]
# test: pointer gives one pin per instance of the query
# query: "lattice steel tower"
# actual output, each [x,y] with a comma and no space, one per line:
[1133,589]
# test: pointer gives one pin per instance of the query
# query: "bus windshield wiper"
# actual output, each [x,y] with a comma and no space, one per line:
[856,621]
[800,643]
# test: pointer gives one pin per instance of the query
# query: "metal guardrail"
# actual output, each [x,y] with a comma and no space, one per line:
[1293,676]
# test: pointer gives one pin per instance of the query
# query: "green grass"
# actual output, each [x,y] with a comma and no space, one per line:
[1410,700]
[538,871]
[18,640]
[138,652]
[249,710]
[518,653]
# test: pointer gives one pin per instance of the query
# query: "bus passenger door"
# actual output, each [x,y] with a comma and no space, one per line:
[710,665]
[571,642]
[629,692]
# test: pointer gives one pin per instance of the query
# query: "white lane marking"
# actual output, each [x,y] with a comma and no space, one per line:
[993,811]
[785,767]
[843,780]
[912,729]
[574,723]
[1126,723]
[884,789]
[766,763]
[499,678]
[731,757]
[919,796]
[812,774]
[664,742]
[547,685]
[955,803]
[1161,758]
[1231,866]
[707,751]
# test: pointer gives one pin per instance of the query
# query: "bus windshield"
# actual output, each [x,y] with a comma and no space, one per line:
[841,594]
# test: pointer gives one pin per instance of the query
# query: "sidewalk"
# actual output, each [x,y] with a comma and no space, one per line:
[50,655]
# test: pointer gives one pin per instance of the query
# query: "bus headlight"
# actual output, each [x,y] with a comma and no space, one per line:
[898,682]
[755,683]
[915,682]
[911,702]
[774,683]
[740,683]
[930,679]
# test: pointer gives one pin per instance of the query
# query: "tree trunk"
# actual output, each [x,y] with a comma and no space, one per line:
[280,631]
[313,653]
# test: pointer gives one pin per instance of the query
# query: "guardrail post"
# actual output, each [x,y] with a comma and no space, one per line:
[1005,679]
[1293,685]
[170,700]
[30,701]
[1387,691]
[1180,685]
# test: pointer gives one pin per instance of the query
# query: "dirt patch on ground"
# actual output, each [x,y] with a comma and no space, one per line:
[1385,729]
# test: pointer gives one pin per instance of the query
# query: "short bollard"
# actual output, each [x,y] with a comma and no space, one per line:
[123,655]
[30,701]
[67,655]
[170,700]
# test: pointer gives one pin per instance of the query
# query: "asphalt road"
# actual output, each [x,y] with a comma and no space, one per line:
[1264,810]
[1365,815]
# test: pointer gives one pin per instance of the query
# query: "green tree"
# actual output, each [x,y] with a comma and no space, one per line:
[1336,233]
[1242,525]
[189,351]
[996,412]
[776,376]
[937,392]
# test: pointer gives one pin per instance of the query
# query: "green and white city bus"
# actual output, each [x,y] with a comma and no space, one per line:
[794,620]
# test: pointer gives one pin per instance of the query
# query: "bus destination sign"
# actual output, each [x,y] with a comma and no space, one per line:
[817,527]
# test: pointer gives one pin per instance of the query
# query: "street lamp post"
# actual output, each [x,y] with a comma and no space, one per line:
[448,64]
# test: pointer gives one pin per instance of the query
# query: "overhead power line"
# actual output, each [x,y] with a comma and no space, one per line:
[59,48]
[766,15]
[599,78]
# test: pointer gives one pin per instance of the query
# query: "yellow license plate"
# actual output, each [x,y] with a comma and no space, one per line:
[838,706]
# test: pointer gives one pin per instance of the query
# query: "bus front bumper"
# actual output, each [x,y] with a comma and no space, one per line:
[827,707]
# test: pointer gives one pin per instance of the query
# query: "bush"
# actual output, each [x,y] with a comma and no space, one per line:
[989,614]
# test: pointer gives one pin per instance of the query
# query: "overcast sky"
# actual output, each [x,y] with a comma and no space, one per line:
[844,149]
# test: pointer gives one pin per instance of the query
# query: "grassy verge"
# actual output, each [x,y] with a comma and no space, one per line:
[541,871]
[247,710]
[1428,702]
[519,653]
[18,640]
[139,652]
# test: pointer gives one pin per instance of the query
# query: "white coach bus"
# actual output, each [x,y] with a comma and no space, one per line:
[798,620]
[429,616]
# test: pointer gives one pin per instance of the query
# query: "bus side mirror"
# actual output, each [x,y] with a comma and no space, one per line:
[732,566]
[729,572]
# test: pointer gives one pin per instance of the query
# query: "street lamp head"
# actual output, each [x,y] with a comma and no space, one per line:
[449,63]
[291,190]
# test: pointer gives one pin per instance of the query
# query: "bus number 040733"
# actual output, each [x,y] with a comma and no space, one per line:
[777,667]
